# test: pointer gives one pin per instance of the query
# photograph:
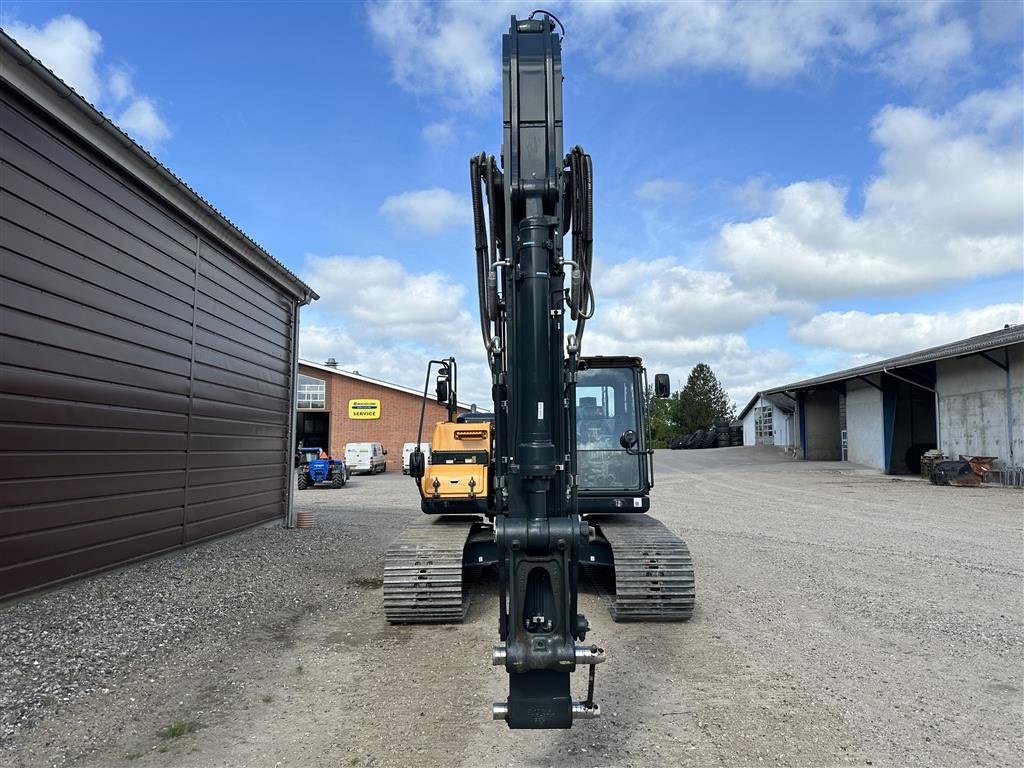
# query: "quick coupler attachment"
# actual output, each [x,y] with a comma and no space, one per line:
[538,716]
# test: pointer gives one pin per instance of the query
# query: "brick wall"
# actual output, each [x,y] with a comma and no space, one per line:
[399,415]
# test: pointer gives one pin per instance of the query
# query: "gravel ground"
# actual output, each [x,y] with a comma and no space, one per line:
[843,618]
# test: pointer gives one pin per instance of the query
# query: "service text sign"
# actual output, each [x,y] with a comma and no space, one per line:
[364,409]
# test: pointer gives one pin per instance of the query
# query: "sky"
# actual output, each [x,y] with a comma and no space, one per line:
[780,189]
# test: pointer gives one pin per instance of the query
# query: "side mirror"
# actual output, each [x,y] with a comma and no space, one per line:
[629,441]
[385,451]
[442,390]
[662,385]
[417,464]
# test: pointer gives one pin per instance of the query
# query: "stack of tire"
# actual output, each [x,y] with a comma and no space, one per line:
[721,429]
[736,434]
[718,436]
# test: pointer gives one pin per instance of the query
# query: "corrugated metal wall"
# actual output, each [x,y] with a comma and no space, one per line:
[144,374]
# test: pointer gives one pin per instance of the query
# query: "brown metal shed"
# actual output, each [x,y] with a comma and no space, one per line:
[147,348]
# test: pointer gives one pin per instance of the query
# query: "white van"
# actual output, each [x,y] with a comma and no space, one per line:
[366,457]
[407,449]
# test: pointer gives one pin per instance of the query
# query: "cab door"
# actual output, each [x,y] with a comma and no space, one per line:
[607,406]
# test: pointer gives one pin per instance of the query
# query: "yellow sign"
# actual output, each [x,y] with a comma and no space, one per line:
[364,409]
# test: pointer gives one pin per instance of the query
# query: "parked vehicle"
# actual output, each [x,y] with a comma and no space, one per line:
[304,454]
[366,457]
[408,448]
[317,468]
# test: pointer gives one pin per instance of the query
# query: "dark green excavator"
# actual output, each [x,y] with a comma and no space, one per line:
[558,477]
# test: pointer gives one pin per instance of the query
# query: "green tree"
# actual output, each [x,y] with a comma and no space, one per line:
[702,400]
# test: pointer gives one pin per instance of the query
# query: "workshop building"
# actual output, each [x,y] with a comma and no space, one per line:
[336,407]
[966,397]
[147,348]
[768,420]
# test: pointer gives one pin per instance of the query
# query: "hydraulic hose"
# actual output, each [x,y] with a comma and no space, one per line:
[491,294]
[483,265]
[580,200]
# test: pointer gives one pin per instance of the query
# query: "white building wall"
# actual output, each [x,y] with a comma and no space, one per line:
[748,425]
[781,424]
[864,425]
[972,406]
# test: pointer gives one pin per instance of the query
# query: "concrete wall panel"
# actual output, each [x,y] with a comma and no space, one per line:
[972,406]
[864,425]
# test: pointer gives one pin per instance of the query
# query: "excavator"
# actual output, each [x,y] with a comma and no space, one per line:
[556,480]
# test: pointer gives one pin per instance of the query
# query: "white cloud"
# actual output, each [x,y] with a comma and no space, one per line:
[401,364]
[69,47]
[1000,20]
[741,369]
[426,211]
[378,298]
[662,190]
[675,317]
[119,84]
[754,194]
[949,205]
[925,44]
[894,333]
[659,299]
[449,49]
[764,42]
[770,42]
[386,321]
[141,121]
[439,134]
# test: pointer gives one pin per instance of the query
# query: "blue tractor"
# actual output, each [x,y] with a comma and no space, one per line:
[314,470]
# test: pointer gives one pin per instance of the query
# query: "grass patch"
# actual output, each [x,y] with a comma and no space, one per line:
[266,698]
[178,728]
[133,756]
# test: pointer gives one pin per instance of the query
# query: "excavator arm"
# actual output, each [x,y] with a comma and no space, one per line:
[534,196]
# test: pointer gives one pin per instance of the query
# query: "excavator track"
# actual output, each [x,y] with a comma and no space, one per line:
[423,573]
[654,578]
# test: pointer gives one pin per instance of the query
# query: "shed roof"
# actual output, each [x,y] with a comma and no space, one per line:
[782,401]
[985,342]
[27,74]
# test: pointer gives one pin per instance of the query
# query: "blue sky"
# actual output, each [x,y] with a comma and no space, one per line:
[780,189]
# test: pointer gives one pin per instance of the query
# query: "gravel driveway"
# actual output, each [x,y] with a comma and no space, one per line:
[844,618]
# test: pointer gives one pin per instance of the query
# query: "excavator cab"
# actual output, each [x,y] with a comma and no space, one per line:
[614,462]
